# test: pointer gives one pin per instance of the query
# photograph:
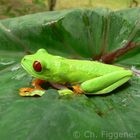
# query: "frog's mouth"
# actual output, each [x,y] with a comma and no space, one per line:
[27,68]
[26,64]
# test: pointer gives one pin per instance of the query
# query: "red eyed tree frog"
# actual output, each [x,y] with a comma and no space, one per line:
[84,76]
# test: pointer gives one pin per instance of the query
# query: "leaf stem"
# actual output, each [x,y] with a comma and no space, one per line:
[129,45]
[110,57]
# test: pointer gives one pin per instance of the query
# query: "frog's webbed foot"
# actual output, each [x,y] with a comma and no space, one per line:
[36,91]
[31,92]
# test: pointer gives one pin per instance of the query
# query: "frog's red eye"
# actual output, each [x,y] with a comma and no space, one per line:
[37,66]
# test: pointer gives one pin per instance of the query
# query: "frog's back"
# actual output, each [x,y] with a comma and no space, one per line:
[81,70]
[93,67]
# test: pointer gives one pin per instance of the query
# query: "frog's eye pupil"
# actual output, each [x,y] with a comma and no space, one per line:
[37,66]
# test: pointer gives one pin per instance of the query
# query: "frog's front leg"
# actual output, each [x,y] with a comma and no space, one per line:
[106,83]
[29,91]
[38,90]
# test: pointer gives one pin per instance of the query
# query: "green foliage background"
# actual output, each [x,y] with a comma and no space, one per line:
[14,8]
[74,34]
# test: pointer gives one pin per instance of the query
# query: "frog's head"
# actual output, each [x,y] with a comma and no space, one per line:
[35,65]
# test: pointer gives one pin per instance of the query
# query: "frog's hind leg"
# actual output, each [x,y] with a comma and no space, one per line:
[113,86]
[106,83]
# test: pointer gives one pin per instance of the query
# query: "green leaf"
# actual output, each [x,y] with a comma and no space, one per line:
[82,34]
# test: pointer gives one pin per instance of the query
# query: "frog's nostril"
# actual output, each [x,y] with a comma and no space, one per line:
[23,59]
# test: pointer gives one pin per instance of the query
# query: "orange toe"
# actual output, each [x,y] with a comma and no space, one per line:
[24,91]
[77,89]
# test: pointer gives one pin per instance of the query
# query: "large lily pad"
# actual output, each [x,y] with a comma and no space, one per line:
[82,34]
